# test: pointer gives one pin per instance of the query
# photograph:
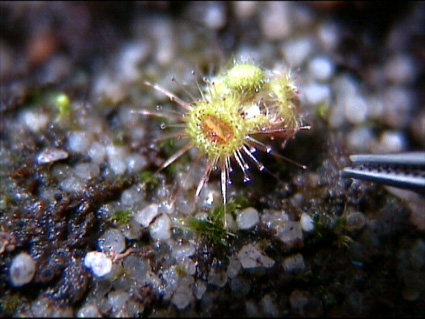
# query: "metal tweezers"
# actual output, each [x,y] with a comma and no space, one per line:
[404,170]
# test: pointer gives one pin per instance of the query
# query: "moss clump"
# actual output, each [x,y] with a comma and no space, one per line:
[148,178]
[213,227]
[10,303]
[121,217]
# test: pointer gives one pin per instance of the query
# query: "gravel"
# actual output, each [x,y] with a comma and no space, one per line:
[294,264]
[79,142]
[290,233]
[316,94]
[117,157]
[99,263]
[50,155]
[34,121]
[89,311]
[146,215]
[199,289]
[22,269]
[307,223]
[321,68]
[295,52]
[250,257]
[247,218]
[87,171]
[182,297]
[112,240]
[160,229]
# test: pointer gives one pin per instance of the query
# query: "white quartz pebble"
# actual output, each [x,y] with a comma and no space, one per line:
[251,257]
[89,311]
[160,228]
[112,240]
[321,68]
[98,262]
[146,215]
[294,264]
[247,218]
[22,269]
[307,223]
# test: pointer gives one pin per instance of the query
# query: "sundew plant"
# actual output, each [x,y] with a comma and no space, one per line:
[228,122]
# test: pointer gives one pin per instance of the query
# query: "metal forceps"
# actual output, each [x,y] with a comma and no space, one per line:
[403,170]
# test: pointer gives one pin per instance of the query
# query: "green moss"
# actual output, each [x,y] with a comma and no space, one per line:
[15,158]
[9,303]
[239,202]
[121,217]
[148,178]
[344,241]
[335,231]
[169,147]
[213,227]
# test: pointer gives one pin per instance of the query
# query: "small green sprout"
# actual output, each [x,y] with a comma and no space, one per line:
[64,105]
[235,111]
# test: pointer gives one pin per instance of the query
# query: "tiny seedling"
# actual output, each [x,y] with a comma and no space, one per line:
[228,121]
